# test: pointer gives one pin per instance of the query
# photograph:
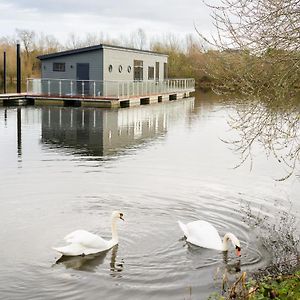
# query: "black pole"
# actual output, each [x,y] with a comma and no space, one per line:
[5,116]
[19,132]
[4,72]
[18,69]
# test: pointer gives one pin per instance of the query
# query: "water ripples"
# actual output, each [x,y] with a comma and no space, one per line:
[176,173]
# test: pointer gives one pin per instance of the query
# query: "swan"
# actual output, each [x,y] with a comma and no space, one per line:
[82,242]
[204,234]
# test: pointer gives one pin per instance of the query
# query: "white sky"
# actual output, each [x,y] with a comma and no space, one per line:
[111,17]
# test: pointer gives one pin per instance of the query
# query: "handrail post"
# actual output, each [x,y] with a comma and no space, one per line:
[94,89]
[48,87]
[82,88]
[59,84]
[71,87]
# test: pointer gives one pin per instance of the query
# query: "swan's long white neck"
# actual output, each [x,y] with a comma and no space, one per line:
[114,232]
[229,236]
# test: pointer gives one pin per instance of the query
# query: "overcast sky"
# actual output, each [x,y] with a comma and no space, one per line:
[112,17]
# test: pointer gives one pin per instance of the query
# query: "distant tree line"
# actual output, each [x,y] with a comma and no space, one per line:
[255,51]
[186,55]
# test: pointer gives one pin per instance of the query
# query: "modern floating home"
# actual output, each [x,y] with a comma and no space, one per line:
[105,63]
[106,76]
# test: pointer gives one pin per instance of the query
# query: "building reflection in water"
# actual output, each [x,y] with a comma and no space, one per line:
[102,132]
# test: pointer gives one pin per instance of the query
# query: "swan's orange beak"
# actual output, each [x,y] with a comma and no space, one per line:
[238,251]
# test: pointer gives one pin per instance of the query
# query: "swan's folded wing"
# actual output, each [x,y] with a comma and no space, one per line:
[86,239]
[204,234]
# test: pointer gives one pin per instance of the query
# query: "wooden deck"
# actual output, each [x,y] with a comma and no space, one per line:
[13,96]
[105,102]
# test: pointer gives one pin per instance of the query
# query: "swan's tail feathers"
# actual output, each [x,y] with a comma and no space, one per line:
[183,228]
[70,250]
[58,249]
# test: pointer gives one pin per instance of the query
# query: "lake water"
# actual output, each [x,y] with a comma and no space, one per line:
[68,168]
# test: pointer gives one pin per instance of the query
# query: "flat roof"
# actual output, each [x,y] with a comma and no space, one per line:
[95,47]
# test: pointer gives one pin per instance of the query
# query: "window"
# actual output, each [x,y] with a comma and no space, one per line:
[59,67]
[110,68]
[165,70]
[129,69]
[138,70]
[120,68]
[150,73]
[157,70]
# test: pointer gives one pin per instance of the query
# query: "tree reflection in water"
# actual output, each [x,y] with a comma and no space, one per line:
[273,125]
[278,235]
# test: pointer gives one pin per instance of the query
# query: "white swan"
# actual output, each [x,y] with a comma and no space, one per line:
[82,242]
[204,234]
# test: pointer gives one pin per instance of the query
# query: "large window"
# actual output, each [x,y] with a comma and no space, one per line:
[59,67]
[157,70]
[150,73]
[138,70]
[165,70]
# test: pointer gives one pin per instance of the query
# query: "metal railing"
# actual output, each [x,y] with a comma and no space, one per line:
[96,88]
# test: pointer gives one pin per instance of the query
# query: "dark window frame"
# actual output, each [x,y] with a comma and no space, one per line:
[59,67]
[150,73]
[157,70]
[138,66]
[165,70]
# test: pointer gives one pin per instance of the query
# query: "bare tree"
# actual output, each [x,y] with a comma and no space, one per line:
[263,37]
[27,38]
[46,43]
[257,54]
[257,25]
[138,39]
[73,41]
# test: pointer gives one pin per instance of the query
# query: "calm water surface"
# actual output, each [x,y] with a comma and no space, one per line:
[68,168]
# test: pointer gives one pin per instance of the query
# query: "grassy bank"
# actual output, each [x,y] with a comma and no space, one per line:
[285,287]
[279,287]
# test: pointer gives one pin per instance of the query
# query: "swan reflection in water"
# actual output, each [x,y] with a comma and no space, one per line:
[232,267]
[229,265]
[89,263]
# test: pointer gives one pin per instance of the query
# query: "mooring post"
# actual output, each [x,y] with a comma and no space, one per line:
[4,72]
[18,68]
[19,132]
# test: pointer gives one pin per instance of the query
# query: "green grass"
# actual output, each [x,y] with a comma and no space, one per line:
[281,287]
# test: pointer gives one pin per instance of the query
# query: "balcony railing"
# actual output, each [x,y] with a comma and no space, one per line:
[110,89]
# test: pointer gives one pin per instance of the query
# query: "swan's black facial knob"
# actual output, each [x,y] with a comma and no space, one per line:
[238,251]
[121,216]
